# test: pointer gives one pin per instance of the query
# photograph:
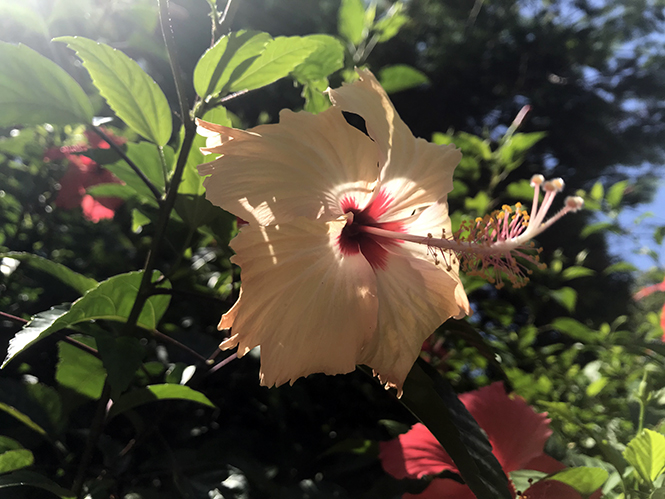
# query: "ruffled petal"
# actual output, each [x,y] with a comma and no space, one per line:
[517,433]
[303,166]
[415,297]
[415,173]
[414,454]
[310,308]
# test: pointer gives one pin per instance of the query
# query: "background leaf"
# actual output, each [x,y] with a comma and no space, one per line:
[401,77]
[351,20]
[154,393]
[31,479]
[131,93]
[79,370]
[646,453]
[13,460]
[583,479]
[35,90]
[67,276]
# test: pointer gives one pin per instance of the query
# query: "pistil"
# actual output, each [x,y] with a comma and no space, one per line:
[489,245]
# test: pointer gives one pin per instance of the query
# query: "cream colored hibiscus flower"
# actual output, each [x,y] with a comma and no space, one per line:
[319,293]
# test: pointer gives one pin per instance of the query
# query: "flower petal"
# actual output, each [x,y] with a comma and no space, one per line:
[310,308]
[517,433]
[302,166]
[414,454]
[415,173]
[415,297]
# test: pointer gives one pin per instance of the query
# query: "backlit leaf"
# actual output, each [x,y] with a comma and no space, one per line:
[327,57]
[131,93]
[281,56]
[227,60]
[35,90]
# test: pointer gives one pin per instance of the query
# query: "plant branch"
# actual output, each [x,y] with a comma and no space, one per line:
[93,438]
[182,346]
[169,40]
[228,15]
[132,165]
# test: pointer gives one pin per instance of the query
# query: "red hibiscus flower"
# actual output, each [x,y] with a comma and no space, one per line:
[517,434]
[644,292]
[83,173]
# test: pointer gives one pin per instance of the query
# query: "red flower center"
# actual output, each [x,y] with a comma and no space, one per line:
[354,240]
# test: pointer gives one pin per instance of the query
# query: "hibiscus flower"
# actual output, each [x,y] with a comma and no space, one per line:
[82,173]
[319,293]
[517,434]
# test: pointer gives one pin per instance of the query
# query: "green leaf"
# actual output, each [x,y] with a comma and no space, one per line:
[111,300]
[120,191]
[659,234]
[191,204]
[479,204]
[154,393]
[390,24]
[521,190]
[401,77]
[583,479]
[597,227]
[327,57]
[121,357]
[7,443]
[646,453]
[26,420]
[281,56]
[24,16]
[576,272]
[597,191]
[351,21]
[615,194]
[67,276]
[31,479]
[131,93]
[79,370]
[35,90]
[227,60]
[620,267]
[315,100]
[146,157]
[523,479]
[575,329]
[13,460]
